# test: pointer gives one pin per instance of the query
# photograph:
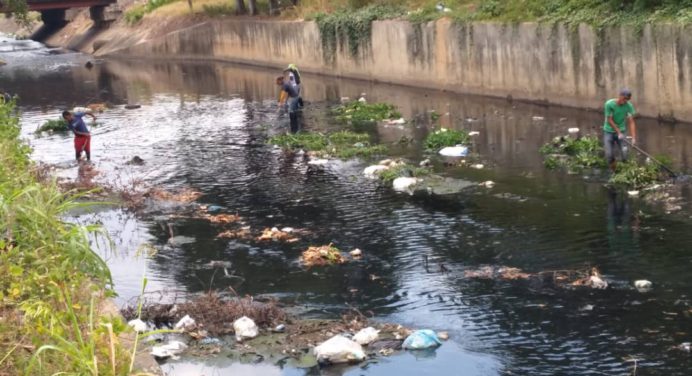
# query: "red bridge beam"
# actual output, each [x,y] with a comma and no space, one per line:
[39,5]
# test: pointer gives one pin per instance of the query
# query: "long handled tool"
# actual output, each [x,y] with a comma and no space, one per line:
[672,173]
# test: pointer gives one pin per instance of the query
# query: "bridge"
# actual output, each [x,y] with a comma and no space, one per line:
[53,11]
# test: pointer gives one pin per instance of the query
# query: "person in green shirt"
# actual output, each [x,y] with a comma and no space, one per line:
[619,115]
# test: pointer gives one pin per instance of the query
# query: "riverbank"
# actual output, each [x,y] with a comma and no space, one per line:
[55,313]
[566,64]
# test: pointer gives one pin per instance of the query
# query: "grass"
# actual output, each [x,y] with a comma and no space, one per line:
[52,280]
[342,144]
[358,113]
[57,125]
[402,170]
[444,137]
[573,154]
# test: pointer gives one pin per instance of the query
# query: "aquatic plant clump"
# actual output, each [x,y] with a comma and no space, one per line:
[444,137]
[57,125]
[635,175]
[357,112]
[403,170]
[342,144]
[323,255]
[573,154]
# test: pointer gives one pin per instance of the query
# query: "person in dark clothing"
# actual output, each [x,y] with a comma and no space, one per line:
[82,137]
[289,98]
[294,78]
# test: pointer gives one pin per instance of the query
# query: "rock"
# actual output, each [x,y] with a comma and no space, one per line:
[488,184]
[132,106]
[421,339]
[572,130]
[425,163]
[366,336]
[474,133]
[455,151]
[244,328]
[443,335]
[339,349]
[643,285]
[186,323]
[404,184]
[356,253]
[171,349]
[538,118]
[138,325]
[373,171]
[477,166]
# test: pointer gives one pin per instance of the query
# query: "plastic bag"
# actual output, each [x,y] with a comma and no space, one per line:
[455,151]
[339,349]
[244,327]
[421,339]
[366,336]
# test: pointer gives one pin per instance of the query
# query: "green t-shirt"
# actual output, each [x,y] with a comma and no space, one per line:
[619,114]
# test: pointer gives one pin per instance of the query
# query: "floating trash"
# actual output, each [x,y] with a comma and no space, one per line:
[373,171]
[366,336]
[324,255]
[138,325]
[339,349]
[643,285]
[454,151]
[186,323]
[245,328]
[404,183]
[421,339]
[169,350]
[356,253]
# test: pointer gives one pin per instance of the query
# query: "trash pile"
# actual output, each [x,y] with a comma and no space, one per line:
[210,324]
[274,234]
[322,255]
[590,277]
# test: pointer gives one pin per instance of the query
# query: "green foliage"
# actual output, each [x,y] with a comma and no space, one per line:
[358,113]
[136,13]
[402,170]
[444,137]
[19,9]
[635,175]
[573,154]
[342,144]
[57,125]
[50,274]
[351,27]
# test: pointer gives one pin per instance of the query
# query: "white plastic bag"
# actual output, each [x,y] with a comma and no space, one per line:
[138,325]
[366,336]
[374,170]
[455,151]
[339,349]
[244,327]
[404,184]
[171,349]
[186,323]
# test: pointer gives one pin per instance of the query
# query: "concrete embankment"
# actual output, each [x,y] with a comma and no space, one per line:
[578,67]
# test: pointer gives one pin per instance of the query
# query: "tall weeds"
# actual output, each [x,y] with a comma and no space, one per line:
[52,281]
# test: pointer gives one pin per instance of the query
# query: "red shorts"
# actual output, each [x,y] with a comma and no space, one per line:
[82,143]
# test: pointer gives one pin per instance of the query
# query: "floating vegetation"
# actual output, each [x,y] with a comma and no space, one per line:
[56,125]
[358,112]
[185,195]
[573,154]
[444,137]
[635,175]
[342,144]
[274,234]
[402,170]
[321,256]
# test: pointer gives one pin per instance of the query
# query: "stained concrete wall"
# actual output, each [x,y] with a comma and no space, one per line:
[577,67]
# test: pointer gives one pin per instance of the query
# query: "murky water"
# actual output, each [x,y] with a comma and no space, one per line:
[204,126]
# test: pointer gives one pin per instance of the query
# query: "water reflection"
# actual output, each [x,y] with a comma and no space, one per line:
[204,126]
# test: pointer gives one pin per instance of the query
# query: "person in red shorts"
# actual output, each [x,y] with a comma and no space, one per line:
[82,137]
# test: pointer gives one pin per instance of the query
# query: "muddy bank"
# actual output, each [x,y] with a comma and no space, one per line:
[577,67]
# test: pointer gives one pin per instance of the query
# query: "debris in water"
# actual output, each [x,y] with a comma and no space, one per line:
[136,160]
[633,193]
[277,235]
[421,339]
[474,133]
[339,349]
[245,328]
[324,255]
[132,106]
[594,280]
[477,166]
[243,233]
[685,346]
[538,118]
[366,336]
[318,162]
[138,325]
[169,350]
[185,195]
[404,183]
[374,170]
[643,285]
[398,121]
[425,163]
[454,151]
[443,335]
[488,184]
[280,328]
[356,253]
[187,323]
[222,218]
[573,130]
